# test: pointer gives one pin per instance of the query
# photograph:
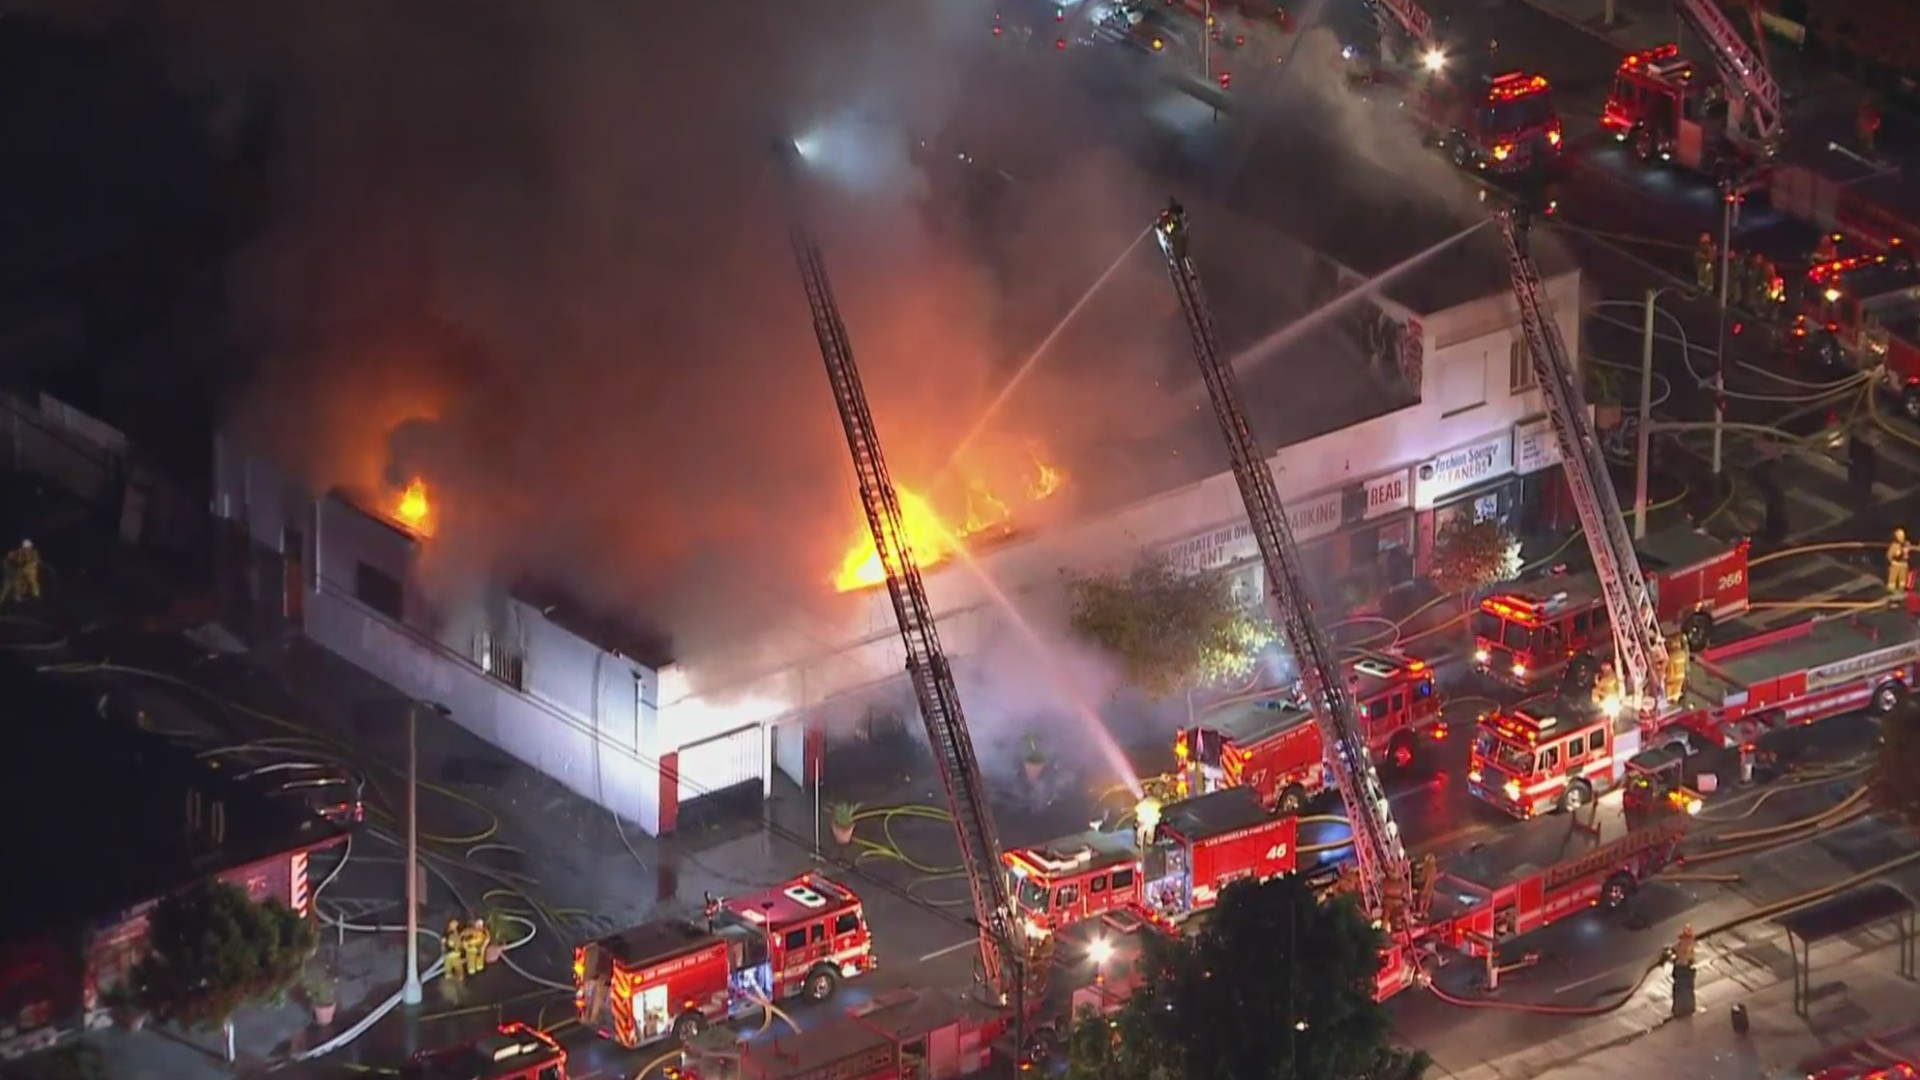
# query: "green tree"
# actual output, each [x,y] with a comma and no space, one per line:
[212,950]
[1171,631]
[1472,555]
[1891,788]
[1275,986]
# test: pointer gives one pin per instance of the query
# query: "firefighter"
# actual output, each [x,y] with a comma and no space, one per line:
[1683,948]
[451,949]
[1759,277]
[476,940]
[1606,688]
[23,574]
[1828,249]
[1868,123]
[1705,253]
[1898,553]
[1677,658]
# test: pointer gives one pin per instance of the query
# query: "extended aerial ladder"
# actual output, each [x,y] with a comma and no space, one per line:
[1002,960]
[1638,643]
[1754,109]
[1385,875]
[1407,19]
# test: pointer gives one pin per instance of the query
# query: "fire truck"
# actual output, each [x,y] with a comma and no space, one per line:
[669,977]
[1272,745]
[904,1035]
[1197,847]
[1664,108]
[1558,753]
[514,1052]
[1502,124]
[1863,312]
[1559,628]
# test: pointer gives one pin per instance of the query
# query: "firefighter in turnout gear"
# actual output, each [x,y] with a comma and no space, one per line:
[1897,554]
[454,953]
[23,574]
[1606,689]
[1759,275]
[476,940]
[1705,254]
[1676,666]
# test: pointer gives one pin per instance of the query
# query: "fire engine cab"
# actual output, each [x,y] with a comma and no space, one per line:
[1863,312]
[1273,746]
[1549,753]
[669,977]
[1503,124]
[1667,109]
[515,1052]
[1197,847]
[1560,629]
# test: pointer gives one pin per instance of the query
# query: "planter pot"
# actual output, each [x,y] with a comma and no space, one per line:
[1034,770]
[323,1014]
[843,834]
[495,952]
[1606,417]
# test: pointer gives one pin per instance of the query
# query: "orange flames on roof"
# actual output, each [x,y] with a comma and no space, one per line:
[929,535]
[414,509]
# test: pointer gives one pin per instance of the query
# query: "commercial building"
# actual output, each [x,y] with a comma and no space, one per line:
[105,819]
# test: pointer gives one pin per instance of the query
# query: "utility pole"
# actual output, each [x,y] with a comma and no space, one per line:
[1645,434]
[410,993]
[1729,214]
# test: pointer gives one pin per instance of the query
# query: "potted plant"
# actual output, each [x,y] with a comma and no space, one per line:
[844,814]
[320,995]
[1603,390]
[1035,762]
[124,1005]
[500,929]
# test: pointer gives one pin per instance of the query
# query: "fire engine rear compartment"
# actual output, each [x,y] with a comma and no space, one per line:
[630,980]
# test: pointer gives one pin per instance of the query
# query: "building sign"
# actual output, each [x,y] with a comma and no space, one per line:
[1534,446]
[1457,470]
[1387,494]
[1213,550]
[1315,517]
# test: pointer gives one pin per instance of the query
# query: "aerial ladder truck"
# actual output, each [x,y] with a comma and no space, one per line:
[1754,121]
[1004,961]
[1663,111]
[1639,648]
[1386,879]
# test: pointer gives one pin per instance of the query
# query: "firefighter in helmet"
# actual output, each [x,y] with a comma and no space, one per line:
[1898,553]
[1759,276]
[476,940]
[454,951]
[1606,689]
[1676,673]
[1705,253]
[23,574]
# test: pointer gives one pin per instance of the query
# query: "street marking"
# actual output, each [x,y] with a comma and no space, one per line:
[938,953]
[1578,983]
[1832,468]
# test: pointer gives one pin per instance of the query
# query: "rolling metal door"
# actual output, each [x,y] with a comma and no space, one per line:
[720,763]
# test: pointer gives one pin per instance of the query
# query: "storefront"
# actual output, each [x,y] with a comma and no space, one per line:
[1546,504]
[1475,482]
[1360,537]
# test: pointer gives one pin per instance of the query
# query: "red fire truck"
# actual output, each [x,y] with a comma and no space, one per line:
[1559,627]
[1273,746]
[515,1052]
[1553,753]
[1863,312]
[1665,108]
[669,977]
[1198,847]
[904,1035]
[1503,124]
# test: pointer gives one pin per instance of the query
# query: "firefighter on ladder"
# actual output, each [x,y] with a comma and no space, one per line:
[1676,672]
[1606,689]
[1705,254]
[454,952]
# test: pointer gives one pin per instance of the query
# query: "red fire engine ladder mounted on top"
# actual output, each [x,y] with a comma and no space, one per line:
[1385,874]
[1406,18]
[926,661]
[1636,624]
[1740,67]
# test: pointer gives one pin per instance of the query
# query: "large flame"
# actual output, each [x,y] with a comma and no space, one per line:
[931,538]
[412,508]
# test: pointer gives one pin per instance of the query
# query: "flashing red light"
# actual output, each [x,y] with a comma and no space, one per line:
[1226,79]
[1737,327]
[1241,39]
[996,29]
[1060,44]
[1514,85]
[1649,57]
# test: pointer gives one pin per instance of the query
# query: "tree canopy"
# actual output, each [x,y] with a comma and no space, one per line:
[1275,986]
[212,950]
[1891,787]
[1171,631]
[1470,555]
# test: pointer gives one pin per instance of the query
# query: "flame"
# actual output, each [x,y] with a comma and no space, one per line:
[1046,478]
[413,509]
[931,538]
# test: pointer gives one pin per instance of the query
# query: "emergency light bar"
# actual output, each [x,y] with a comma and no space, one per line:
[1056,862]
[1514,85]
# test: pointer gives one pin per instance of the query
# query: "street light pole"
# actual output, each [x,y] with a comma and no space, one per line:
[1645,434]
[410,994]
[1729,213]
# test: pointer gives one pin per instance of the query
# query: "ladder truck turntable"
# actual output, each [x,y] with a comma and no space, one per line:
[1272,745]
[1552,753]
[1557,627]
[670,977]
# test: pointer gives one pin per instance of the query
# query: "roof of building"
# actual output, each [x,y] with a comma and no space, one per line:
[624,636]
[98,809]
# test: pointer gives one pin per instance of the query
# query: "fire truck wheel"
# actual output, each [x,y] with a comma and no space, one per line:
[1910,402]
[1643,144]
[821,983]
[1578,794]
[688,1027]
[1293,799]
[1888,697]
[1617,890]
[1698,628]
